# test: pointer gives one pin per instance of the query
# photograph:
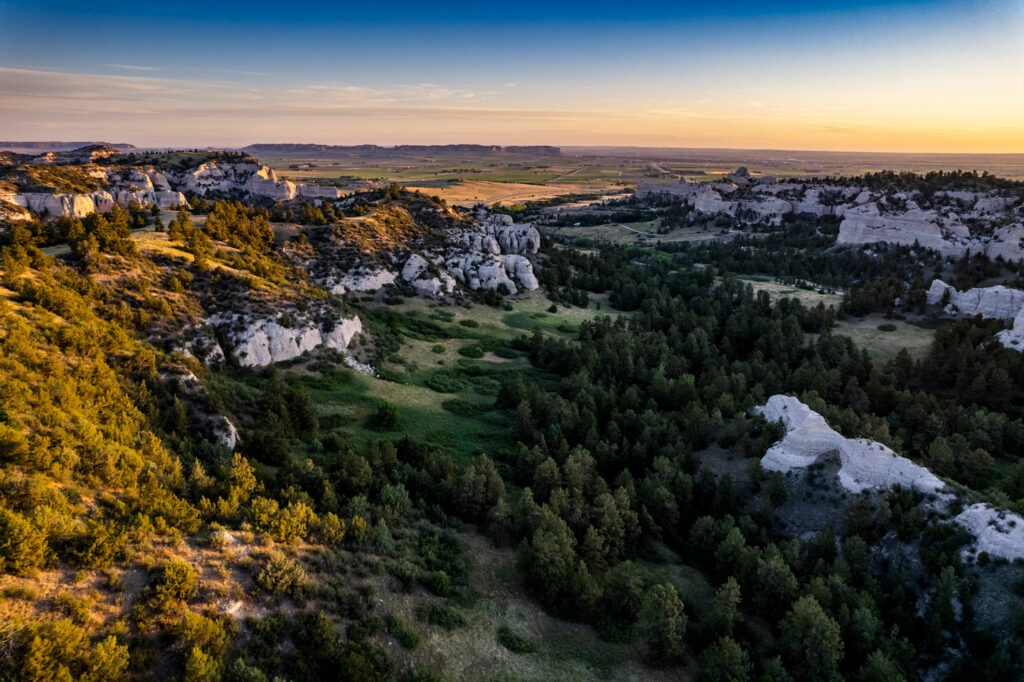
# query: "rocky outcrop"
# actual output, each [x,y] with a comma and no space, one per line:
[865,464]
[996,302]
[521,238]
[998,532]
[486,252]
[261,342]
[1013,338]
[990,302]
[867,216]
[225,432]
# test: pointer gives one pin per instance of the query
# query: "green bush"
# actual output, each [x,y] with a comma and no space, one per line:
[887,327]
[440,615]
[466,322]
[506,352]
[280,576]
[438,348]
[406,636]
[515,642]
[446,381]
[439,583]
[473,351]
[387,416]
[463,408]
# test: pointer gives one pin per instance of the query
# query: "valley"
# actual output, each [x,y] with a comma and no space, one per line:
[253,429]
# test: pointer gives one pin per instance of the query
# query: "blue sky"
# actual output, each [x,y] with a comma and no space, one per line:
[910,76]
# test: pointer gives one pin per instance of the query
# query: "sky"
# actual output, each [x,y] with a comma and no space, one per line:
[925,76]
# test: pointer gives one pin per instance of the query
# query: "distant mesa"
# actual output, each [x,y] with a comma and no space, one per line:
[377,151]
[29,147]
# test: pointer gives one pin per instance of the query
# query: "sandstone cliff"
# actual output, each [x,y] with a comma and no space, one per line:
[868,216]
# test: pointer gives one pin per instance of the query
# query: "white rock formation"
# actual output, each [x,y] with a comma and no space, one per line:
[263,342]
[367,280]
[990,302]
[996,302]
[485,253]
[868,217]
[225,432]
[1000,533]
[517,238]
[1013,338]
[865,465]
[417,272]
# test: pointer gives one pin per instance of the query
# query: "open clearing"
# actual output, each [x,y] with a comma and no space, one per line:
[807,297]
[882,345]
[443,377]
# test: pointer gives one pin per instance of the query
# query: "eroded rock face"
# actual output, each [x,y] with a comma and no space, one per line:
[866,465]
[486,253]
[515,238]
[225,432]
[868,216]
[996,302]
[262,342]
[991,302]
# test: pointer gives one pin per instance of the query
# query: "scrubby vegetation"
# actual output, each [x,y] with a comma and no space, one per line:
[611,462]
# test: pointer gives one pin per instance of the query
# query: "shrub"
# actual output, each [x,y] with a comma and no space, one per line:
[463,408]
[387,416]
[887,327]
[407,573]
[438,348]
[446,381]
[209,634]
[75,608]
[23,547]
[178,582]
[439,583]
[473,351]
[406,636]
[280,576]
[515,642]
[440,615]
[466,322]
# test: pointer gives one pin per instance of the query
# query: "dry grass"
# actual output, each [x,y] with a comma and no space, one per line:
[882,345]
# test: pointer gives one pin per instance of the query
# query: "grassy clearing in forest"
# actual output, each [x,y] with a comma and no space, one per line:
[886,345]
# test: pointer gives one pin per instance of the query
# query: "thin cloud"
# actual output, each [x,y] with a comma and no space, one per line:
[134,67]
